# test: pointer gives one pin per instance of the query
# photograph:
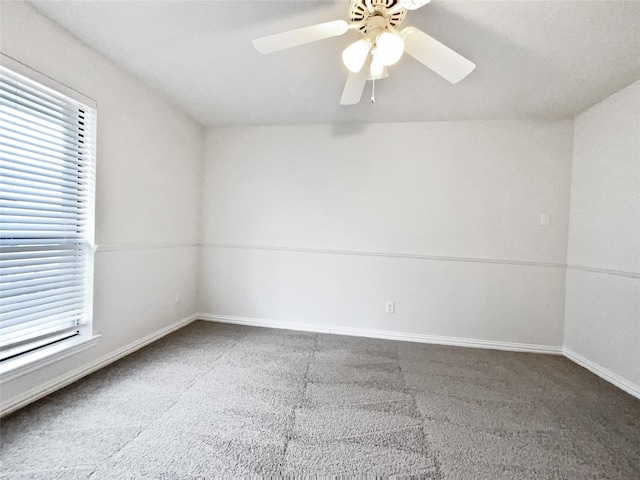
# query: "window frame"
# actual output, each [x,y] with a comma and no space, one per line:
[24,363]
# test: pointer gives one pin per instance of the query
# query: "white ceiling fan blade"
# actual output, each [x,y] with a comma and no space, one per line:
[438,57]
[414,4]
[300,36]
[354,87]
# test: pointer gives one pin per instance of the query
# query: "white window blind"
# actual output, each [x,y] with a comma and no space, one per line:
[47,159]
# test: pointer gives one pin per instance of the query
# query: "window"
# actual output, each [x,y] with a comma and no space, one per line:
[47,172]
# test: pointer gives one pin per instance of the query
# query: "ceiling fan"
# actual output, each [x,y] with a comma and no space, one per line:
[380,46]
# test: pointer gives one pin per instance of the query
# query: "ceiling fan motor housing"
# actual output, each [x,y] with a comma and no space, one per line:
[361,12]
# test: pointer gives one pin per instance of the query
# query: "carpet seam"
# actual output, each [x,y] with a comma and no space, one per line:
[425,442]
[305,381]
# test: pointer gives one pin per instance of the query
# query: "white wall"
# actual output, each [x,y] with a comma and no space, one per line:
[602,323]
[317,226]
[147,206]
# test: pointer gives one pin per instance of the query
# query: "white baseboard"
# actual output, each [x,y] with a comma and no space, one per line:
[388,335]
[605,374]
[64,380]
[602,372]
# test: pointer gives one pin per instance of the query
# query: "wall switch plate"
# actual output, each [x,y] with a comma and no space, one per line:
[391,307]
[545,218]
[178,297]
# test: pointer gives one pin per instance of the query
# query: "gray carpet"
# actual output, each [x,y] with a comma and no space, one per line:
[214,400]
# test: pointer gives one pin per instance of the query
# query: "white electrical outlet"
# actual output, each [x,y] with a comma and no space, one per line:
[178,297]
[391,307]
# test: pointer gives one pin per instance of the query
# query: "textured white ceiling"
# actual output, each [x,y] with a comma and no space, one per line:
[535,59]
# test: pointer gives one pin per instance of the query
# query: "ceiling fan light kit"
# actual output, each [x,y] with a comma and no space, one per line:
[389,48]
[377,72]
[381,44]
[377,69]
[355,55]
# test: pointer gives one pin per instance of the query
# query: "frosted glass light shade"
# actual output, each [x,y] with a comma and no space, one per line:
[376,69]
[355,55]
[381,74]
[389,48]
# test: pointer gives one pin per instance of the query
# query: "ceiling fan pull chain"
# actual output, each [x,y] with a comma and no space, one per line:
[373,91]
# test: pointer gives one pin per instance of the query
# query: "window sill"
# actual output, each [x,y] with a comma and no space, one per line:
[33,361]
